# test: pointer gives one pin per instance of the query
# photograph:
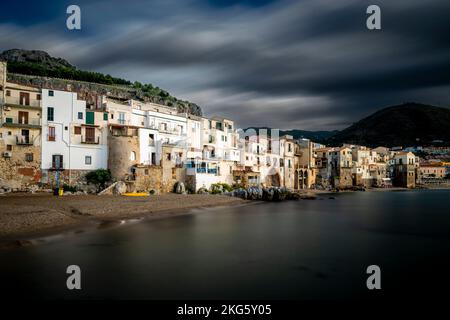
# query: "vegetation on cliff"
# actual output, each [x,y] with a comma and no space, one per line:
[41,64]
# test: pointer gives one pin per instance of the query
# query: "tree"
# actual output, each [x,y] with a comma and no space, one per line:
[99,177]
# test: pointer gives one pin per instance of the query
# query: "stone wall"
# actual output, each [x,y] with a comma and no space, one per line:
[148,178]
[404,176]
[69,177]
[345,179]
[171,173]
[16,172]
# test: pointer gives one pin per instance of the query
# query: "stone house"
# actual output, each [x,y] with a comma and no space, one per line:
[20,134]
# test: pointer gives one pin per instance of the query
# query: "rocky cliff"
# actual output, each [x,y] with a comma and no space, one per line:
[39,69]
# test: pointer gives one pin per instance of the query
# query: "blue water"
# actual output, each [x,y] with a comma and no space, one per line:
[308,249]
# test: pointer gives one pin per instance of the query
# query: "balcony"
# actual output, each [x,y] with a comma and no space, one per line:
[16,101]
[201,167]
[22,122]
[206,170]
[24,140]
[90,140]
[172,131]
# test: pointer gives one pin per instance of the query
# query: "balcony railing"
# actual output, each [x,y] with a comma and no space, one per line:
[206,170]
[90,140]
[15,101]
[24,140]
[15,121]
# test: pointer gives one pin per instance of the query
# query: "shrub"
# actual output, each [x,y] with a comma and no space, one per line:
[99,178]
[227,187]
[220,187]
[68,188]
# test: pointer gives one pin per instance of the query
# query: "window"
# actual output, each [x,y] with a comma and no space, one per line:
[8,93]
[80,115]
[105,116]
[151,139]
[8,147]
[9,133]
[163,126]
[23,117]
[38,96]
[28,157]
[24,98]
[51,134]
[57,161]
[90,117]
[50,114]
[77,130]
[146,172]
[168,156]
[121,117]
[51,93]
[133,156]
[88,160]
[289,147]
[66,128]
[112,115]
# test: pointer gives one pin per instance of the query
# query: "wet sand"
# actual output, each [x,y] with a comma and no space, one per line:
[24,216]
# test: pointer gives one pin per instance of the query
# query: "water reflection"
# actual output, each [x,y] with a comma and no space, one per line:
[304,249]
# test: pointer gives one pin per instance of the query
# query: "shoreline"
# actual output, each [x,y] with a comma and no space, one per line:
[25,218]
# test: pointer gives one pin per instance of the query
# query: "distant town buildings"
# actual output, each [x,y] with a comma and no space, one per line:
[51,136]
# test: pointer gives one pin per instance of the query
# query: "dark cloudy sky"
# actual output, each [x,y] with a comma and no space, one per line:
[305,64]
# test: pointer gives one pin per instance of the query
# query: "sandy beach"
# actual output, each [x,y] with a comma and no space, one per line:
[24,216]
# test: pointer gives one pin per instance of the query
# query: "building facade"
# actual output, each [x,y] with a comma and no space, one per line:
[20,134]
[74,138]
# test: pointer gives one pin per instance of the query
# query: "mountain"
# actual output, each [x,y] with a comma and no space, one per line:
[40,69]
[316,136]
[408,124]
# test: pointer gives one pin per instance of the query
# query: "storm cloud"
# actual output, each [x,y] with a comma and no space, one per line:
[308,64]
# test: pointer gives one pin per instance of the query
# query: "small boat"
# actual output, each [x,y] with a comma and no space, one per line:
[136,194]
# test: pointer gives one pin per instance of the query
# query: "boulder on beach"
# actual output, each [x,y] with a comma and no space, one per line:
[180,188]
[120,188]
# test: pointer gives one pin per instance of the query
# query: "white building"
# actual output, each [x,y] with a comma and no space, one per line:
[156,126]
[212,155]
[73,137]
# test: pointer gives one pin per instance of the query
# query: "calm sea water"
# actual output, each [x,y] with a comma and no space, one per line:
[291,250]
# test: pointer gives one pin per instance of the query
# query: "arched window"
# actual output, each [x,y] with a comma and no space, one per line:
[133,156]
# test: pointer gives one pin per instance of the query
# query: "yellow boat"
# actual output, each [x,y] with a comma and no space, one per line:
[135,194]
